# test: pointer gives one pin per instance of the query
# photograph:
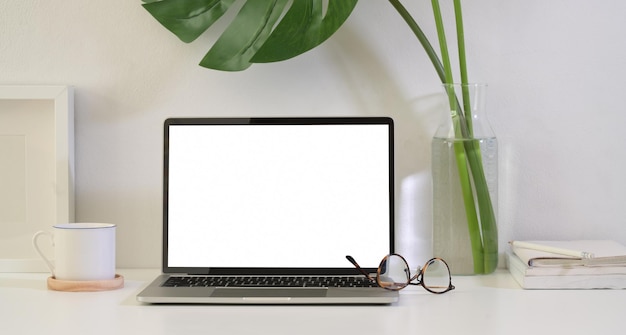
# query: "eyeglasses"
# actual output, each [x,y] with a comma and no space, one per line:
[393,274]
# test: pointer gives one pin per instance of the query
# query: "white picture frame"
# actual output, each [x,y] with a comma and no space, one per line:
[43,115]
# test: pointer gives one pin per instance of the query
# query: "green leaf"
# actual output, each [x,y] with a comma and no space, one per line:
[244,36]
[303,28]
[263,30]
[187,19]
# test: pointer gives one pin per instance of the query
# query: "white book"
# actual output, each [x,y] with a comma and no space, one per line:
[609,257]
[534,269]
[519,271]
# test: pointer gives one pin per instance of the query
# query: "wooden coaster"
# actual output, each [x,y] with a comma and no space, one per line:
[87,285]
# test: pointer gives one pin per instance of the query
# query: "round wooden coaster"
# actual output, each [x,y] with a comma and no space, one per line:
[87,285]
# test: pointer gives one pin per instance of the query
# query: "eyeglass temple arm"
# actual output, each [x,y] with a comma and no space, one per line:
[351,260]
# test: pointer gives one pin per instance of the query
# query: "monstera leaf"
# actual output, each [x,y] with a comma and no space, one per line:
[263,31]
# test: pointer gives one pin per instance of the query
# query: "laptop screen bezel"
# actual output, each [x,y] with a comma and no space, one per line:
[348,270]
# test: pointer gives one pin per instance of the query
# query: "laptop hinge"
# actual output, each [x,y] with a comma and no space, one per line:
[198,273]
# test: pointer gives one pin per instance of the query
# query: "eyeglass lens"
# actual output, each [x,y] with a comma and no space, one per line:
[436,276]
[394,274]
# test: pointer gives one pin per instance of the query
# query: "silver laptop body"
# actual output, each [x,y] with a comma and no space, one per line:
[275,197]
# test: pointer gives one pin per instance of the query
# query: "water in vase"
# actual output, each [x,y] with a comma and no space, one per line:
[450,230]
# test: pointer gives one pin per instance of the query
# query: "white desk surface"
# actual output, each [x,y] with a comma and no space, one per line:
[492,304]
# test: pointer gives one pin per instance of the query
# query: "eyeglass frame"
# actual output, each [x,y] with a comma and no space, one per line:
[417,276]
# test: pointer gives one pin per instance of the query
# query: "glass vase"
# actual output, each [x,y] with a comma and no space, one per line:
[465,183]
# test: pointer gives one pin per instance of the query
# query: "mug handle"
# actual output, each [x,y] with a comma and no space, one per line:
[35,239]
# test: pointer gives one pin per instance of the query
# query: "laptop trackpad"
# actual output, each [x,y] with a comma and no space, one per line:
[269,292]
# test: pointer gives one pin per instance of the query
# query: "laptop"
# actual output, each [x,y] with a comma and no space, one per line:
[265,210]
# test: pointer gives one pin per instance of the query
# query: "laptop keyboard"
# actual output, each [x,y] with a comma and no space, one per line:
[263,281]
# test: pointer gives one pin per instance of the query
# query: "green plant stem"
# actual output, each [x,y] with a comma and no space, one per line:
[421,37]
[488,227]
[459,120]
[428,48]
[483,233]
[443,44]
[460,37]
[470,207]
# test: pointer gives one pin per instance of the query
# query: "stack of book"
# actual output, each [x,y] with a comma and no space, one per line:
[584,264]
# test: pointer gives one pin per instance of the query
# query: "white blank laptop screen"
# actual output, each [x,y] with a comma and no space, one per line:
[279,196]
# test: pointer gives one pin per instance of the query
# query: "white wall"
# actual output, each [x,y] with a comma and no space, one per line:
[556,71]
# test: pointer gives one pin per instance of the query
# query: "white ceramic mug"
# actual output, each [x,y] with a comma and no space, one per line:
[83,251]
